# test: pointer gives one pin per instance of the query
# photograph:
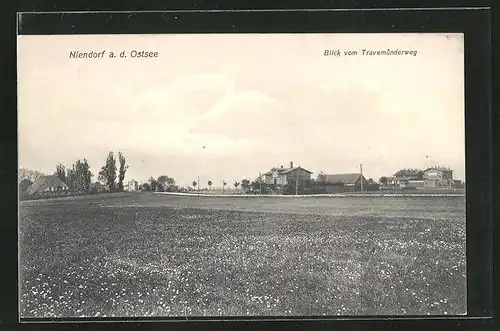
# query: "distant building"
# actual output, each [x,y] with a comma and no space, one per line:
[438,177]
[409,174]
[282,176]
[391,180]
[338,183]
[47,184]
[131,186]
[408,178]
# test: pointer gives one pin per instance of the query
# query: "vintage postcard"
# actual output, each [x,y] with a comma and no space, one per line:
[237,175]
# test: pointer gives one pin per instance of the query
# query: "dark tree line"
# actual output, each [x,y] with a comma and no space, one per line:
[122,170]
[163,183]
[107,175]
[79,177]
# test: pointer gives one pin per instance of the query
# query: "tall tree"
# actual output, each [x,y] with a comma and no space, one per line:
[153,184]
[107,175]
[167,183]
[122,170]
[71,179]
[245,183]
[144,187]
[87,175]
[194,184]
[236,184]
[209,184]
[79,177]
[61,172]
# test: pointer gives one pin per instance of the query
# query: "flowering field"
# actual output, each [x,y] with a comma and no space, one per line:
[149,255]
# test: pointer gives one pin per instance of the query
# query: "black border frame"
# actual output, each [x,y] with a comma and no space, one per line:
[475,23]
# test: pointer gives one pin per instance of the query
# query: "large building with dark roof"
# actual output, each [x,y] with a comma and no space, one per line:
[338,183]
[282,176]
[438,177]
[47,184]
[431,177]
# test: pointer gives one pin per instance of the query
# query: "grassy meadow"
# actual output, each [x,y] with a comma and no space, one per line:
[143,254]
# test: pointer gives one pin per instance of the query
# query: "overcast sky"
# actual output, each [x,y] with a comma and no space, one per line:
[253,102]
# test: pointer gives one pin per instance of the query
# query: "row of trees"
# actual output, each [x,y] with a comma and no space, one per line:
[257,187]
[79,177]
[163,183]
[224,184]
[301,187]
[308,187]
[107,175]
[112,174]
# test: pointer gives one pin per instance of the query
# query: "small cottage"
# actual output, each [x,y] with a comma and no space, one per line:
[47,185]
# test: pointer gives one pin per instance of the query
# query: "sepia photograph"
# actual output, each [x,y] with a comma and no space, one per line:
[241,175]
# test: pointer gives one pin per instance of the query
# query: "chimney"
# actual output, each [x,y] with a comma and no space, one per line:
[291,164]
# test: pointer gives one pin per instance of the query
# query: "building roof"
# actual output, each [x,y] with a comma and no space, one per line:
[24,184]
[340,178]
[407,173]
[45,181]
[294,168]
[438,168]
[279,169]
[284,170]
